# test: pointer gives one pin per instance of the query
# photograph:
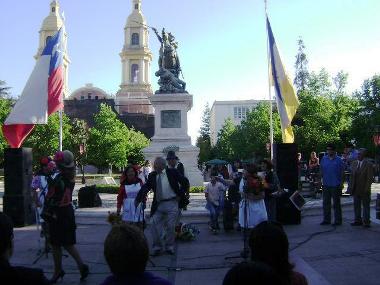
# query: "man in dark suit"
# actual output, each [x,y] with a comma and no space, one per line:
[15,274]
[361,179]
[169,188]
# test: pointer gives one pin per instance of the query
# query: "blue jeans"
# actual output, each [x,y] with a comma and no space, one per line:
[214,213]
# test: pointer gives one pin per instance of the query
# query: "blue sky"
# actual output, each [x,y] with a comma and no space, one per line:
[222,44]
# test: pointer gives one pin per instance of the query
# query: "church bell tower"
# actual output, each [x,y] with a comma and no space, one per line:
[51,24]
[135,88]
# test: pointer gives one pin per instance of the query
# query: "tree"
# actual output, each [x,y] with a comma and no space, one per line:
[111,142]
[203,141]
[368,115]
[302,73]
[223,146]
[323,119]
[4,89]
[205,127]
[44,139]
[319,84]
[78,142]
[5,108]
[137,142]
[340,81]
[252,135]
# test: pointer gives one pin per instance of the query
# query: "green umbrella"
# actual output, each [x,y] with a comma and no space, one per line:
[216,162]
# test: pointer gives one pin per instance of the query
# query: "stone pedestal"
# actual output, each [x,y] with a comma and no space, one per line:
[170,132]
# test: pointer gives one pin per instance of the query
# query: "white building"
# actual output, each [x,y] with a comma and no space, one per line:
[236,110]
[136,57]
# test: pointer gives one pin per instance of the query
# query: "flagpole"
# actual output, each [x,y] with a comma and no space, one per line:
[62,95]
[269,91]
[60,129]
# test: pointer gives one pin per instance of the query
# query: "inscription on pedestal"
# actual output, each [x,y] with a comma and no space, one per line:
[170,119]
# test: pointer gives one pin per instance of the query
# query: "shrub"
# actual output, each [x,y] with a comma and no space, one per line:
[107,189]
[197,189]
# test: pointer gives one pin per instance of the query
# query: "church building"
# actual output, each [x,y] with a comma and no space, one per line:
[136,58]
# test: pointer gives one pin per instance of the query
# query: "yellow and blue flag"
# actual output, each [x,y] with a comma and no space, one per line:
[286,98]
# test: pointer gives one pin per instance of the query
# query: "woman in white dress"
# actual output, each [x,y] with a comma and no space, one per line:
[252,209]
[130,185]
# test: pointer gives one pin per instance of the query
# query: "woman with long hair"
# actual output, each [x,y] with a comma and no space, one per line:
[59,214]
[269,244]
[130,185]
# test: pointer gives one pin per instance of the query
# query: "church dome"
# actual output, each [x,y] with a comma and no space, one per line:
[89,92]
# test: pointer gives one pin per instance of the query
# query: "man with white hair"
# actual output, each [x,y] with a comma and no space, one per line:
[360,186]
[169,188]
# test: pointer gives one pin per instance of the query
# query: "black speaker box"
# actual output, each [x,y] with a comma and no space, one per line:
[18,171]
[17,200]
[19,209]
[286,165]
[88,197]
[287,213]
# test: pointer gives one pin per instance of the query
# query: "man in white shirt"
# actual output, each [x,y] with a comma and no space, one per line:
[169,188]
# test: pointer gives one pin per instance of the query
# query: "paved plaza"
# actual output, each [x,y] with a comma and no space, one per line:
[325,254]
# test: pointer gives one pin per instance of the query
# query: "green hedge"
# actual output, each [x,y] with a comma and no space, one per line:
[107,189]
[197,189]
[113,189]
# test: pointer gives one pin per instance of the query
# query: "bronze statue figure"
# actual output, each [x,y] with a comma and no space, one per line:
[169,64]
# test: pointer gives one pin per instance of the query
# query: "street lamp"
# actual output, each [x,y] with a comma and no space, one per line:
[376,141]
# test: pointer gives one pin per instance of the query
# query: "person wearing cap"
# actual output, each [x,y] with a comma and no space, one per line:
[169,188]
[173,162]
[9,274]
[59,214]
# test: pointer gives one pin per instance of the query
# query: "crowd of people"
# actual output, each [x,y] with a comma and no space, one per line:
[249,192]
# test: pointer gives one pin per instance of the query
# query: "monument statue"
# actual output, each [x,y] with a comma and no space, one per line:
[169,65]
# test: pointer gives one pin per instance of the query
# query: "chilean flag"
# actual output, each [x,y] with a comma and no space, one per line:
[42,94]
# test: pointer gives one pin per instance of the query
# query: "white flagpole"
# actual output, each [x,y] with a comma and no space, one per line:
[63,95]
[60,129]
[269,91]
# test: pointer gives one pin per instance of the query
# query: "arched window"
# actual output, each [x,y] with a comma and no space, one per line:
[134,73]
[47,39]
[53,9]
[135,39]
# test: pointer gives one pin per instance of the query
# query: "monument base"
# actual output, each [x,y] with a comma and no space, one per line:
[171,133]
[187,154]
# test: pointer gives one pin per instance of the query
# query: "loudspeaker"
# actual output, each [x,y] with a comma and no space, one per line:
[88,197]
[19,209]
[18,170]
[287,213]
[17,200]
[286,165]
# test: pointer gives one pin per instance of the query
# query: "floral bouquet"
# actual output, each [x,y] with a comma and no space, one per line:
[113,218]
[254,185]
[186,232]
